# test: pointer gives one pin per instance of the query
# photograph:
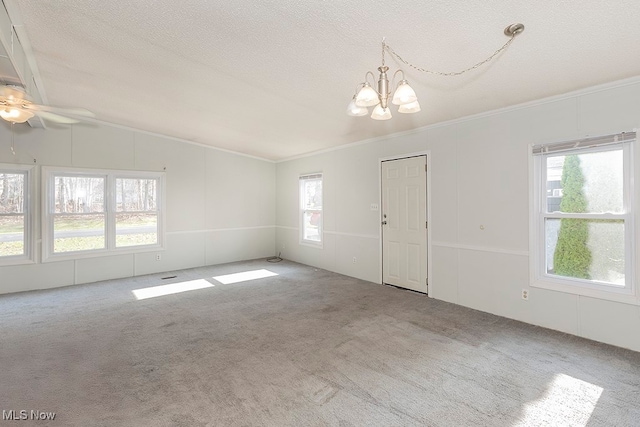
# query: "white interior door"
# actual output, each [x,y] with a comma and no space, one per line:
[404,223]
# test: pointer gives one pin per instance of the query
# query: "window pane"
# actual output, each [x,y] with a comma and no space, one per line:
[312,192]
[133,229]
[78,232]
[586,249]
[311,226]
[12,192]
[11,235]
[134,194]
[590,182]
[78,194]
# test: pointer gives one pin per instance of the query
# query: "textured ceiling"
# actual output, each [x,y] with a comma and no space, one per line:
[273,78]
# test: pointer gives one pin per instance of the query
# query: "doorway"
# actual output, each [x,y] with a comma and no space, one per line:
[404,223]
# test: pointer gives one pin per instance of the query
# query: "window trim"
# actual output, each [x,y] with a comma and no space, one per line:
[301,211]
[537,240]
[29,256]
[48,201]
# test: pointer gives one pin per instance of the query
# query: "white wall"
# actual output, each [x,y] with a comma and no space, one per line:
[220,206]
[479,176]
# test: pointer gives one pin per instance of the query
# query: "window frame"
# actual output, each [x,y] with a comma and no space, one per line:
[110,211]
[538,275]
[29,208]
[302,210]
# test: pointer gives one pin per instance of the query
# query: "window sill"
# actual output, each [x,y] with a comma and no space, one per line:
[8,262]
[620,296]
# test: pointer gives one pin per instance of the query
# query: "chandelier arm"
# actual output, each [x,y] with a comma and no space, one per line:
[366,77]
[454,73]
[393,79]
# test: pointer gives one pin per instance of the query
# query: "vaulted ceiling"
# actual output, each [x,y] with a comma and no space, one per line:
[273,78]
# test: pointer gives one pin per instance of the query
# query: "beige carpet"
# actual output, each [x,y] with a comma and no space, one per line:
[305,347]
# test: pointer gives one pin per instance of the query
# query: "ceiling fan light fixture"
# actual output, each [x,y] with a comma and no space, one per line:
[15,115]
[9,113]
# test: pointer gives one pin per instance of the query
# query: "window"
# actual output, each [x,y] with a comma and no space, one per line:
[79,217]
[136,211]
[92,212]
[15,214]
[311,209]
[583,221]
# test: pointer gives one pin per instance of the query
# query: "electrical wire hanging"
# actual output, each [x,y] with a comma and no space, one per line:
[275,258]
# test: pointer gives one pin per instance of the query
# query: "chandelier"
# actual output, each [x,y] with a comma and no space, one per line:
[404,96]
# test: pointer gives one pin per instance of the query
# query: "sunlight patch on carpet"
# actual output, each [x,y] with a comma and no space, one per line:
[568,401]
[173,288]
[244,276]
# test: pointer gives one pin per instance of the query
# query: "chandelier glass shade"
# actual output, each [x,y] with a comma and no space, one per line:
[404,94]
[412,107]
[367,96]
[381,113]
[354,110]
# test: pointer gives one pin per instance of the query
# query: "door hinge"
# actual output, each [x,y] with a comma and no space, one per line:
[425,167]
[426,224]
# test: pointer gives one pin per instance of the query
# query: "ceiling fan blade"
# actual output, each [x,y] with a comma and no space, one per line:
[60,110]
[52,117]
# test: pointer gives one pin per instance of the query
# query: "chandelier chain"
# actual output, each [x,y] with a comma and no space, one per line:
[439,73]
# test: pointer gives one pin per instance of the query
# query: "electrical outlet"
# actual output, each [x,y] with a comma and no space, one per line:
[525,294]
[355,260]
[158,257]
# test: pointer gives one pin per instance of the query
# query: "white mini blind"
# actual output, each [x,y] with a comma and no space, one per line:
[311,176]
[600,141]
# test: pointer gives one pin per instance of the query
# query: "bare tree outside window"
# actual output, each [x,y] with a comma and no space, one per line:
[79,217]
